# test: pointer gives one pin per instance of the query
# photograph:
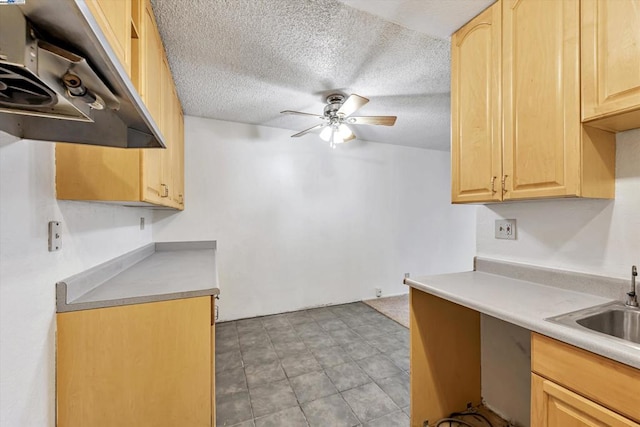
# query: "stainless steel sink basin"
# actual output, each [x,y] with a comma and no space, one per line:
[615,320]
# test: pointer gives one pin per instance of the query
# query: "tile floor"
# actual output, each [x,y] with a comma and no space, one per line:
[344,365]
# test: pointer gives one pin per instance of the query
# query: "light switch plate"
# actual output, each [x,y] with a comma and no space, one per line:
[506,229]
[55,236]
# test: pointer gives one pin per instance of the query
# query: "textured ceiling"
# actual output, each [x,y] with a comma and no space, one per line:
[437,18]
[247,60]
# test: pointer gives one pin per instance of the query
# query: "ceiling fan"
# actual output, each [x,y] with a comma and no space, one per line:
[338,115]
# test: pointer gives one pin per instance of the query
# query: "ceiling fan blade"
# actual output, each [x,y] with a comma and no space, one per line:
[308,130]
[300,113]
[350,137]
[352,104]
[372,120]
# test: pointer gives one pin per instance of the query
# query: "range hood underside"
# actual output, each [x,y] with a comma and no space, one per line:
[69,24]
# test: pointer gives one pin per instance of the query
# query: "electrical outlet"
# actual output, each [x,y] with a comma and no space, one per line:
[55,236]
[378,292]
[406,275]
[506,229]
[141,223]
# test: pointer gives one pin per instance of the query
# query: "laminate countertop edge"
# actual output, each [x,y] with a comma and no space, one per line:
[156,272]
[526,304]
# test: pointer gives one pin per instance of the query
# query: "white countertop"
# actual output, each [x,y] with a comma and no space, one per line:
[158,272]
[526,304]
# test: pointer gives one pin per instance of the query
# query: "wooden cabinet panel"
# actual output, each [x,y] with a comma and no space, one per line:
[152,52]
[444,356]
[137,365]
[86,172]
[541,98]
[476,147]
[555,406]
[609,383]
[152,190]
[178,163]
[213,363]
[168,129]
[611,63]
[114,18]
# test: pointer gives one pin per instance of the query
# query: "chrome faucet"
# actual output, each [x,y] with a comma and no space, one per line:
[632,296]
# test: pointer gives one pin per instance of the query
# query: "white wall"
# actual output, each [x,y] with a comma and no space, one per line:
[301,225]
[591,236]
[506,369]
[92,233]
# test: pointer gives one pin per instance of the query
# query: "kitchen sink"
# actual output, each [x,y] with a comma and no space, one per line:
[615,320]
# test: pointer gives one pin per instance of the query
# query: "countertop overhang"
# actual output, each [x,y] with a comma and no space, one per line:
[526,304]
[156,272]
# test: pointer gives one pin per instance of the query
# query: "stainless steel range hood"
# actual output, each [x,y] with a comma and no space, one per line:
[77,90]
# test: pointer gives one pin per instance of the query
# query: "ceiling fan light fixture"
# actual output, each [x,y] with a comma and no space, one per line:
[345,132]
[325,135]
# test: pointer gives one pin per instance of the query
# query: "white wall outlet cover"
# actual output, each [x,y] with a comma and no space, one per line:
[55,236]
[378,292]
[506,229]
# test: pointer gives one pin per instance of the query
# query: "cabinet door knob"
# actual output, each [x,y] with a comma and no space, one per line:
[504,179]
[493,182]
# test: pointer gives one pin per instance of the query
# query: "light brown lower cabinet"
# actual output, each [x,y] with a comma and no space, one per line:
[138,365]
[571,387]
[555,406]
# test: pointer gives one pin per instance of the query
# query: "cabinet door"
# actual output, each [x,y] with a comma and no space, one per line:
[114,18]
[137,365]
[152,189]
[541,98]
[555,406]
[476,146]
[168,130]
[611,60]
[178,155]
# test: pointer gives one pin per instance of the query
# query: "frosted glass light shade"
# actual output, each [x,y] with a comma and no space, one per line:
[345,132]
[325,135]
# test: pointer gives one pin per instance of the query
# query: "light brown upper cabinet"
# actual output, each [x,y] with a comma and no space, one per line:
[545,151]
[476,142]
[148,177]
[155,189]
[177,165]
[611,64]
[114,18]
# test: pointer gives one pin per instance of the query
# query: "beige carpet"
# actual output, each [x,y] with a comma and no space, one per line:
[396,308]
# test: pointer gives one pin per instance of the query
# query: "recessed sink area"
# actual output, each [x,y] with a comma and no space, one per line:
[615,320]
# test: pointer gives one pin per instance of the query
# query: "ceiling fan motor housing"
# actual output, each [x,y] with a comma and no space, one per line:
[334,102]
